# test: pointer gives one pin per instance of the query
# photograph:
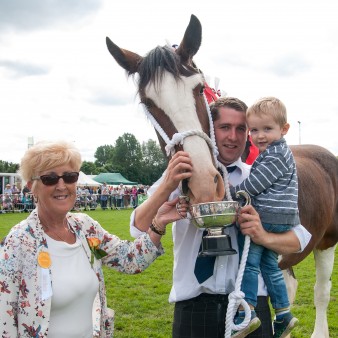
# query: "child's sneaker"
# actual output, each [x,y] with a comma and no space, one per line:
[284,326]
[253,325]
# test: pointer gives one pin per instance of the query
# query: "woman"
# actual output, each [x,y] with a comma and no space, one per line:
[51,280]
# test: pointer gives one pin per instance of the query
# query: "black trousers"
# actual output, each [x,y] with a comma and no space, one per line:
[204,317]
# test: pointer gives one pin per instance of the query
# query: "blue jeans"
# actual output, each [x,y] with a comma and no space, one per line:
[261,259]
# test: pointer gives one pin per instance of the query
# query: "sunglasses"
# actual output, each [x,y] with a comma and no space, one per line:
[53,179]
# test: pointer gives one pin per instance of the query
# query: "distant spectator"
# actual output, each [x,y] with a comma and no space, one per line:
[7,202]
[8,189]
[133,196]
[25,190]
[104,196]
[114,194]
[15,189]
[121,191]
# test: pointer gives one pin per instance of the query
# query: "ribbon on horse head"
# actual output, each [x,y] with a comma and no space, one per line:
[210,93]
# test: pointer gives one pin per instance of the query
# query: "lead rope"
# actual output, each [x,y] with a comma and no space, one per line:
[236,298]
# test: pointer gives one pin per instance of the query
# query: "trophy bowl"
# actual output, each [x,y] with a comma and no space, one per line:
[214,218]
[214,214]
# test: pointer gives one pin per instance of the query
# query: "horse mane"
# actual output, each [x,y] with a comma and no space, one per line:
[159,60]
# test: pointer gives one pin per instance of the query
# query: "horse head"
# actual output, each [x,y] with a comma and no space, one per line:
[171,88]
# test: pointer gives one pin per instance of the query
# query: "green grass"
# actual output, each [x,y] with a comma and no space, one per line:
[141,301]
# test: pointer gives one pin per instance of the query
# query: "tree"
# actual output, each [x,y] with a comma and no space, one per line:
[8,167]
[127,157]
[89,168]
[154,162]
[104,154]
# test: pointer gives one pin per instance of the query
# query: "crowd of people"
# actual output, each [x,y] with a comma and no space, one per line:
[14,199]
[88,198]
[110,196]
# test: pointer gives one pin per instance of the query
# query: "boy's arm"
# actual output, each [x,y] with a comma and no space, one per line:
[263,175]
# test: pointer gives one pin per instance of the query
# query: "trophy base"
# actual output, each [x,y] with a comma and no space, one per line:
[219,245]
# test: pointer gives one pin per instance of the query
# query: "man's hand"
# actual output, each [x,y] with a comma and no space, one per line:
[250,224]
[179,168]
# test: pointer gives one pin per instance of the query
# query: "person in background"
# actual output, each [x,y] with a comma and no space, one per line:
[201,297]
[133,195]
[25,189]
[8,189]
[121,192]
[51,277]
[104,196]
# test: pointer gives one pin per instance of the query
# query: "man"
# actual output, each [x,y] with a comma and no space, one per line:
[201,302]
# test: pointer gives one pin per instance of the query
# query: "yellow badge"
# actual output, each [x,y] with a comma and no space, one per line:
[44,260]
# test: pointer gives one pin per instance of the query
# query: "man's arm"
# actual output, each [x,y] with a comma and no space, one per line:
[282,243]
[179,168]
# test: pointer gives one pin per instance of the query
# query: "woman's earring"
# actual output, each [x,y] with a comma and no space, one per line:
[36,199]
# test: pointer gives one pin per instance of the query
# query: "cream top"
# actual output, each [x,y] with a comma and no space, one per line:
[74,288]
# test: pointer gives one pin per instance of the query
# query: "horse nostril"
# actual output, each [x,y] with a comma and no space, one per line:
[216,179]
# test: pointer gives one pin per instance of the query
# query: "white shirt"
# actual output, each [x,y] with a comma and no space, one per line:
[187,240]
[74,288]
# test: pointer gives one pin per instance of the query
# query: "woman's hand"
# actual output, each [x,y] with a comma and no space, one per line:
[167,213]
[179,168]
[172,211]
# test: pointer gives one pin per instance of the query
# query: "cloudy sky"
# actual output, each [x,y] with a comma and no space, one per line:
[58,81]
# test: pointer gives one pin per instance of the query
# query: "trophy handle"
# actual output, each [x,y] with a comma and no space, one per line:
[244,195]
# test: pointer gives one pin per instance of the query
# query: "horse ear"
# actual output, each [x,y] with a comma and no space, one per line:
[191,41]
[126,59]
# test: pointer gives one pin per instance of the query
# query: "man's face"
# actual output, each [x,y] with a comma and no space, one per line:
[231,134]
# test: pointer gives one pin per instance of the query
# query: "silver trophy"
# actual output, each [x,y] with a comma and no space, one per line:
[215,217]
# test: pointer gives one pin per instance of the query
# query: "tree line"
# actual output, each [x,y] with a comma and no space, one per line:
[143,163]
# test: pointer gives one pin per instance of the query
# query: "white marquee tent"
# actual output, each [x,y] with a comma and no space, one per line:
[86,180]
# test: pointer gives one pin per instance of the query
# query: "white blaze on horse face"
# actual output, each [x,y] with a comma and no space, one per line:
[176,99]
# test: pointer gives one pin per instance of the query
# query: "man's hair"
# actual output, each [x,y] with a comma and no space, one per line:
[227,102]
[269,106]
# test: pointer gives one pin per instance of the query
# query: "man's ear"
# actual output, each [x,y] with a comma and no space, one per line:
[285,129]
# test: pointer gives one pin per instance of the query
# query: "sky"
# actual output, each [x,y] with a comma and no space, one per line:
[58,80]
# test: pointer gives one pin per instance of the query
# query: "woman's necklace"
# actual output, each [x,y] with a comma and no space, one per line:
[67,228]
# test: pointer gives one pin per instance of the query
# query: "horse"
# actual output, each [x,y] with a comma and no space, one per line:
[171,87]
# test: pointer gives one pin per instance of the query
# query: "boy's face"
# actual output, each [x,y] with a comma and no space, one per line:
[264,130]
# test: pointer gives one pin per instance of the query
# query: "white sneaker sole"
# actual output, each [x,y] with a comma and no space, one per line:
[254,324]
[293,323]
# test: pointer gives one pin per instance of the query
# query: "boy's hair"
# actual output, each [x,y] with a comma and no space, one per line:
[269,106]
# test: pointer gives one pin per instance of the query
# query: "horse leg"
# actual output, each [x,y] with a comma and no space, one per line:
[291,286]
[324,265]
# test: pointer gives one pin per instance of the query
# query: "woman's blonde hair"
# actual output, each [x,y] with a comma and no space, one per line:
[269,106]
[47,155]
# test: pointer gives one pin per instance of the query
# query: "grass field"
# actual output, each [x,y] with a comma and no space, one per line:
[141,301]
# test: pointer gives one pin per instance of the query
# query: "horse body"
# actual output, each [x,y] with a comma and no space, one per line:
[318,208]
[170,87]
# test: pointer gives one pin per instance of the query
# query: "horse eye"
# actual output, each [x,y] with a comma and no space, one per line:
[202,90]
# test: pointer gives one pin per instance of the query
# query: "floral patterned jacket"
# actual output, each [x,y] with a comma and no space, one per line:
[24,298]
